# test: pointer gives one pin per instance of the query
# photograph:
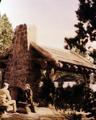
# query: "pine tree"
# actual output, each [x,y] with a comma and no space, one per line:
[86,26]
[6,33]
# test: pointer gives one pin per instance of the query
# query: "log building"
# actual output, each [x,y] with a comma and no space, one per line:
[22,62]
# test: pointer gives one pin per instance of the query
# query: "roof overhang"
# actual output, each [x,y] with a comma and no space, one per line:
[64,58]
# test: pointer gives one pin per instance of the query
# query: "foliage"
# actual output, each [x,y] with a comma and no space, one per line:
[76,98]
[6,33]
[86,26]
[46,92]
[93,55]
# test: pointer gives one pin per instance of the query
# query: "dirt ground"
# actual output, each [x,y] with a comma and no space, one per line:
[41,114]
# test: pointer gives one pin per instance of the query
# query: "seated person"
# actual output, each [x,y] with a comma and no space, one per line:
[5,97]
[29,97]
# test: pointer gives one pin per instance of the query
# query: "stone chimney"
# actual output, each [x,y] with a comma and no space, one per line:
[16,72]
[21,67]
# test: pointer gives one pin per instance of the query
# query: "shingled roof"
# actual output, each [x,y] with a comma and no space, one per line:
[63,56]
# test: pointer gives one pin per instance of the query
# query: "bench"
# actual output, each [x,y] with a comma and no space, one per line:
[6,108]
[3,109]
[24,107]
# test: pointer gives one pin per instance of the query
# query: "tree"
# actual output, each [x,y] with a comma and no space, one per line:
[86,26]
[6,33]
[93,55]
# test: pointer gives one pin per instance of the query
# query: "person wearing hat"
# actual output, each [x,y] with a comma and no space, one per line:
[6,97]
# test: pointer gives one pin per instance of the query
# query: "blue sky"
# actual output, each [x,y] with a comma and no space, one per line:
[54,19]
